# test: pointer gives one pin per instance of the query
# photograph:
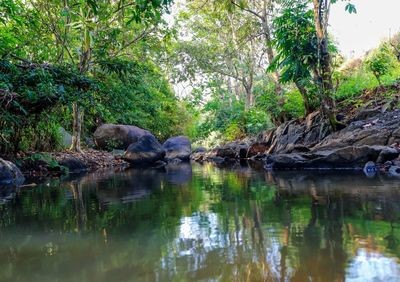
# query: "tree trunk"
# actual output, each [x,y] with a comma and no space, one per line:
[76,127]
[77,113]
[324,70]
[270,52]
[249,98]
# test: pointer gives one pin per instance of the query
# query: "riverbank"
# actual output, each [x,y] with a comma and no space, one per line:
[371,134]
[45,164]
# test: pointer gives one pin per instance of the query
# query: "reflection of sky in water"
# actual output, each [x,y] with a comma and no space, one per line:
[368,266]
[204,238]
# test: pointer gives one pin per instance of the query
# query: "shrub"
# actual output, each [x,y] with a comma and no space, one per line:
[380,62]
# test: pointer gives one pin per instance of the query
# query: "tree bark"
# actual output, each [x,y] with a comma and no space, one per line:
[76,127]
[270,52]
[77,113]
[249,97]
[324,71]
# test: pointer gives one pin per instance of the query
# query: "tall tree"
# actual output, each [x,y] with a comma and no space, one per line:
[262,11]
[321,10]
[296,43]
[88,32]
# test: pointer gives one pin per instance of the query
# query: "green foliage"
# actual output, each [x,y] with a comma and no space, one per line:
[36,102]
[296,43]
[380,62]
[294,104]
[354,81]
[233,132]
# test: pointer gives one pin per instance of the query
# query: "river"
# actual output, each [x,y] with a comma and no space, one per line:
[202,223]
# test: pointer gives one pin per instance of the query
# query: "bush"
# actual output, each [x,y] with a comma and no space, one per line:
[380,62]
[35,100]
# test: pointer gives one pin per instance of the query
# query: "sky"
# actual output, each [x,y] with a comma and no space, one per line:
[357,33]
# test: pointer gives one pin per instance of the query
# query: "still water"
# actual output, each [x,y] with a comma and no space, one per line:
[202,223]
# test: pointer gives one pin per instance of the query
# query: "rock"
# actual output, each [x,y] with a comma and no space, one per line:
[89,142]
[348,157]
[147,150]
[66,137]
[257,150]
[10,173]
[233,150]
[73,164]
[363,114]
[117,136]
[178,147]
[199,150]
[174,161]
[382,130]
[159,164]
[370,169]
[198,156]
[394,171]
[118,153]
[387,154]
[295,134]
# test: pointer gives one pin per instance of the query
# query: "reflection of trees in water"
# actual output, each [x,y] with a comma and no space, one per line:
[233,224]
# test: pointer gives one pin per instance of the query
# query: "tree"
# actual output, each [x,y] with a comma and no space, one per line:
[222,45]
[88,32]
[262,11]
[380,62]
[321,10]
[296,43]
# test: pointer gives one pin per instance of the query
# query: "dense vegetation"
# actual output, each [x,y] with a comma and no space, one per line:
[241,66]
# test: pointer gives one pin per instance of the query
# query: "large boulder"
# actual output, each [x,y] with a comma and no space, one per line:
[66,137]
[73,164]
[178,147]
[147,150]
[233,150]
[10,173]
[339,158]
[117,136]
[380,130]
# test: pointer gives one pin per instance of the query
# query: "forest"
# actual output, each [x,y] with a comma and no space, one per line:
[215,71]
[199,140]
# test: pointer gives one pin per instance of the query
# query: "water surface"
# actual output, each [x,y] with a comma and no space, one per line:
[202,223]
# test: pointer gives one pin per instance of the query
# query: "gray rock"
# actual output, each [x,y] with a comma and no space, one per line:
[117,136]
[174,161]
[147,150]
[66,138]
[159,164]
[340,158]
[73,164]
[199,150]
[178,147]
[394,171]
[10,174]
[387,154]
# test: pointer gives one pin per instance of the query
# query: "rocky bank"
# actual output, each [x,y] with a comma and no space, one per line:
[372,135]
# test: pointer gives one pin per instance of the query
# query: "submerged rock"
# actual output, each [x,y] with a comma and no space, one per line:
[10,173]
[147,150]
[117,136]
[178,147]
[370,169]
[394,171]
